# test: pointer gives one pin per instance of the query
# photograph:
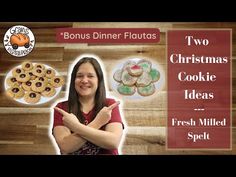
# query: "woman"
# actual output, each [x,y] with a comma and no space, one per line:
[88,123]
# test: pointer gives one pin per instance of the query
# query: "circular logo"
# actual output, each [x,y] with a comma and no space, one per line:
[19,41]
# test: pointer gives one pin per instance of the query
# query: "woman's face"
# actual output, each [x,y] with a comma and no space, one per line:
[86,81]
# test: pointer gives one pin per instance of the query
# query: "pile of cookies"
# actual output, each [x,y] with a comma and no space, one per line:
[31,81]
[136,75]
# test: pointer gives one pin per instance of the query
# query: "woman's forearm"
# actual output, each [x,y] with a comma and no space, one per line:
[71,143]
[74,141]
[108,139]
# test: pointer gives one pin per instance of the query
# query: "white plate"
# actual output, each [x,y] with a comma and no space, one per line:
[42,99]
[158,85]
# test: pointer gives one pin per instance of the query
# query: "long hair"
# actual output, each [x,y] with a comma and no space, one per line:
[74,104]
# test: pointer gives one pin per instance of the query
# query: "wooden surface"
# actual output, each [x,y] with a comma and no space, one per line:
[27,129]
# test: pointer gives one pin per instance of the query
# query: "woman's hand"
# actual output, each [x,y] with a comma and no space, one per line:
[104,115]
[69,119]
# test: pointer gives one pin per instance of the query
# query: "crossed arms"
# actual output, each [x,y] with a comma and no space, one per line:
[69,142]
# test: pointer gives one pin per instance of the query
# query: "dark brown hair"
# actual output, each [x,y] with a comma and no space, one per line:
[74,105]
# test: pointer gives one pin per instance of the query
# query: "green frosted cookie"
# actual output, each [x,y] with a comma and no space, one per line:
[146,91]
[126,90]
[155,75]
[146,65]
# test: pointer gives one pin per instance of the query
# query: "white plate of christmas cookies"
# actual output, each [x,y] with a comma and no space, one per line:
[137,78]
[33,83]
